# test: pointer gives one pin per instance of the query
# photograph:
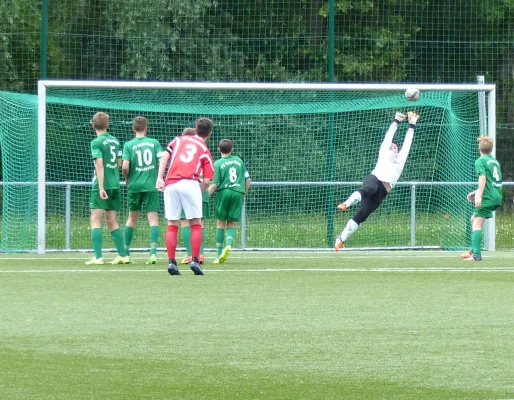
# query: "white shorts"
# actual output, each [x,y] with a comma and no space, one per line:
[184,194]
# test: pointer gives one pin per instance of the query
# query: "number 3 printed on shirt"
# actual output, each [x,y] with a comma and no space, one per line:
[190,153]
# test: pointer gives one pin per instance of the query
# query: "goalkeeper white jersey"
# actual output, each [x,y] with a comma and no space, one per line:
[390,165]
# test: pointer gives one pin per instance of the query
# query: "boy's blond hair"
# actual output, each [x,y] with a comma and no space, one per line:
[188,132]
[485,144]
[101,121]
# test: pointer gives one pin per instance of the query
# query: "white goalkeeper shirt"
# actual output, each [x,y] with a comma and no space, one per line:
[390,165]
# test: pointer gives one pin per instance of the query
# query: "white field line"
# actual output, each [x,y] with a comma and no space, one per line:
[296,255]
[267,270]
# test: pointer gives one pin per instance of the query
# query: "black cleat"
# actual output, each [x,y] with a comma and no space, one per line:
[172,268]
[195,267]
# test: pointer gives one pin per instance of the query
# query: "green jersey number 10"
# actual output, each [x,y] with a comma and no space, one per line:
[145,156]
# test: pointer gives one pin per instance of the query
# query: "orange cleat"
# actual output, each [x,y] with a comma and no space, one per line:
[467,254]
[339,244]
[201,259]
[342,207]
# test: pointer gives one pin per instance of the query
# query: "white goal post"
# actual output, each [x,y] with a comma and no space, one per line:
[489,119]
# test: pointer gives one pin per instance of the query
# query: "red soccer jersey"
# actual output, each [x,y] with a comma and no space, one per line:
[189,158]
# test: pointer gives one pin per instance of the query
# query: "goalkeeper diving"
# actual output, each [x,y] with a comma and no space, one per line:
[381,180]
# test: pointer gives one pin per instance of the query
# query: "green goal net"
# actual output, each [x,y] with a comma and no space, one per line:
[306,150]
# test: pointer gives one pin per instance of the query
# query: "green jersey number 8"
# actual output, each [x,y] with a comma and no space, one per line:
[232,175]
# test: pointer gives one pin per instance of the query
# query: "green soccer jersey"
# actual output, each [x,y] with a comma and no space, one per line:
[107,148]
[487,165]
[230,173]
[143,154]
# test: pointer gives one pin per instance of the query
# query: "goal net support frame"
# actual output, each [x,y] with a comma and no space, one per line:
[487,117]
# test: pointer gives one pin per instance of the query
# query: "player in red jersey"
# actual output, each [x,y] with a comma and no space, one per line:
[189,157]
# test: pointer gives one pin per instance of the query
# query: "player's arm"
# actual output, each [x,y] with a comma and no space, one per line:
[204,184]
[163,162]
[409,137]
[388,139]
[99,169]
[212,188]
[480,191]
[125,169]
[216,180]
[248,181]
[207,170]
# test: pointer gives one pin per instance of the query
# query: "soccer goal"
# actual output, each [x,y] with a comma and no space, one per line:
[306,146]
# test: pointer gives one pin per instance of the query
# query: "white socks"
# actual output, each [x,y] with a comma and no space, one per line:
[350,228]
[355,196]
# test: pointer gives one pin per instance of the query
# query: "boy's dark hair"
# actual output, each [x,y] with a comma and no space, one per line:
[101,121]
[203,127]
[225,146]
[140,124]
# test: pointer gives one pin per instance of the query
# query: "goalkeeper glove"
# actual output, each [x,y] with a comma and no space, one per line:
[399,117]
[413,119]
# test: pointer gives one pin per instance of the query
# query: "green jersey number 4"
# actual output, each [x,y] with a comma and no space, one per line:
[496,175]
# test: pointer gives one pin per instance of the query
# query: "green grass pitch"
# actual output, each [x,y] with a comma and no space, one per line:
[280,325]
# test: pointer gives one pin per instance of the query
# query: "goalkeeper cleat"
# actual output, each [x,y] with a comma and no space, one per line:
[201,259]
[120,260]
[413,117]
[466,254]
[195,267]
[224,254]
[339,244]
[400,117]
[472,257]
[342,207]
[152,260]
[172,268]
[95,261]
[186,260]
[217,261]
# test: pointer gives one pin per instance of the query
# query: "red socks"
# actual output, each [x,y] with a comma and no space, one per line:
[171,241]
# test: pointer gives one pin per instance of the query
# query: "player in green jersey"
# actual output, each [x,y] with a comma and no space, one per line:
[105,194]
[488,197]
[231,183]
[140,167]
[185,228]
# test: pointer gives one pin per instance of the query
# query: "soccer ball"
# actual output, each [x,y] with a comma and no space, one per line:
[412,94]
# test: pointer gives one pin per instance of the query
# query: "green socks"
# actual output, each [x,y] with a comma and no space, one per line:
[117,237]
[231,233]
[220,238]
[129,234]
[185,233]
[154,239]
[476,243]
[96,239]
[203,241]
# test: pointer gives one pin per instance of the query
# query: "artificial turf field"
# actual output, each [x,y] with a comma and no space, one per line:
[265,325]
